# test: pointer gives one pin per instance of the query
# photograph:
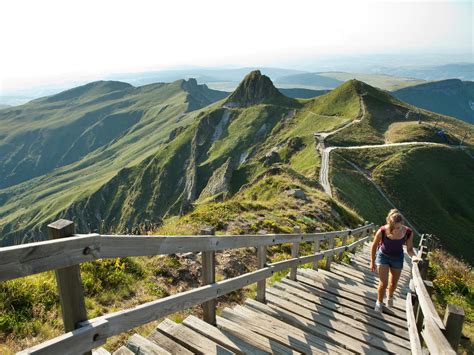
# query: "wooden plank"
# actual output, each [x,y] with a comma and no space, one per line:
[424,299]
[32,258]
[123,350]
[412,330]
[267,312]
[434,338]
[255,339]
[284,333]
[346,277]
[100,351]
[223,338]
[167,343]
[350,299]
[27,259]
[363,291]
[343,325]
[357,313]
[365,324]
[190,339]
[142,346]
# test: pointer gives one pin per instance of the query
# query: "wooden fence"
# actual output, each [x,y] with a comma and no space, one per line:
[65,251]
[440,336]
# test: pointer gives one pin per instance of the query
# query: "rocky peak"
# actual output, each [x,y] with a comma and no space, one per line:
[254,89]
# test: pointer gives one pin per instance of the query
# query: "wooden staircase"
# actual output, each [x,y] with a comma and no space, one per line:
[322,312]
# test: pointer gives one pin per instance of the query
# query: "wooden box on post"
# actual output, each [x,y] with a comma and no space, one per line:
[209,277]
[70,289]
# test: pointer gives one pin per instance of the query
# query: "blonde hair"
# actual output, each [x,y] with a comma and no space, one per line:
[393,217]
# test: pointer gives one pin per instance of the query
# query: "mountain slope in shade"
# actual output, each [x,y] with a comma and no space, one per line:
[62,129]
[448,97]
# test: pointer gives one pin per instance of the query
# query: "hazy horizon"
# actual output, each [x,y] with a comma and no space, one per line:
[56,44]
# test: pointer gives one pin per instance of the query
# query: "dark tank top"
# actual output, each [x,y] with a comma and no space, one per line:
[393,247]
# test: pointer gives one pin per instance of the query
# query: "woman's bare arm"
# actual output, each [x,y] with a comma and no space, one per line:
[410,250]
[375,243]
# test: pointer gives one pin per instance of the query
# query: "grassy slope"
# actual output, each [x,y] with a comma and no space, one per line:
[31,204]
[383,110]
[63,129]
[433,186]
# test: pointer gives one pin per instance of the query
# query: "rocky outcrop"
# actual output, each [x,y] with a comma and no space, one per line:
[219,181]
[254,89]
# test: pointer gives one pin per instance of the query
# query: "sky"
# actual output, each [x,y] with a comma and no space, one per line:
[52,41]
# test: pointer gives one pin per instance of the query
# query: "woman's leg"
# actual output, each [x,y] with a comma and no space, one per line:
[383,281]
[394,277]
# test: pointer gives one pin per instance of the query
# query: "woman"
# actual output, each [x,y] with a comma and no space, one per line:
[387,254]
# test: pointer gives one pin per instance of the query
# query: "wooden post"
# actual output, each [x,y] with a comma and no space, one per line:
[453,320]
[70,289]
[316,245]
[295,250]
[344,242]
[329,257]
[261,260]
[208,277]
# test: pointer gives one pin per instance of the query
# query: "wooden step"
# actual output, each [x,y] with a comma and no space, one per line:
[337,311]
[123,350]
[281,332]
[268,345]
[308,327]
[191,340]
[357,292]
[100,351]
[142,346]
[167,343]
[221,337]
[344,298]
[344,325]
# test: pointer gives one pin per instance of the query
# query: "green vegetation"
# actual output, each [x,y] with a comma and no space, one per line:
[440,205]
[453,283]
[417,132]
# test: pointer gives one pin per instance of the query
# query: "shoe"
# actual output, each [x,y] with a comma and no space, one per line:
[378,307]
[390,302]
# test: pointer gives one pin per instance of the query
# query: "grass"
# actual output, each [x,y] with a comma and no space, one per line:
[406,176]
[453,283]
[417,132]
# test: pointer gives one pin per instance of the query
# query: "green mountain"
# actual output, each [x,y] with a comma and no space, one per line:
[451,97]
[231,158]
[79,139]
[388,118]
[62,129]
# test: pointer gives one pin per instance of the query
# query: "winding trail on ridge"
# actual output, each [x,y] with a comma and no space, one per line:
[325,153]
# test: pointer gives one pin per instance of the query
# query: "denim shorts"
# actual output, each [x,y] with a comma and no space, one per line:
[395,262]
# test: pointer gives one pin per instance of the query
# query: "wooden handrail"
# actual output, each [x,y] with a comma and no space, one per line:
[95,332]
[424,299]
[28,259]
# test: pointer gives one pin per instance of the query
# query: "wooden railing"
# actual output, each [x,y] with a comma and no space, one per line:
[440,336]
[66,251]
